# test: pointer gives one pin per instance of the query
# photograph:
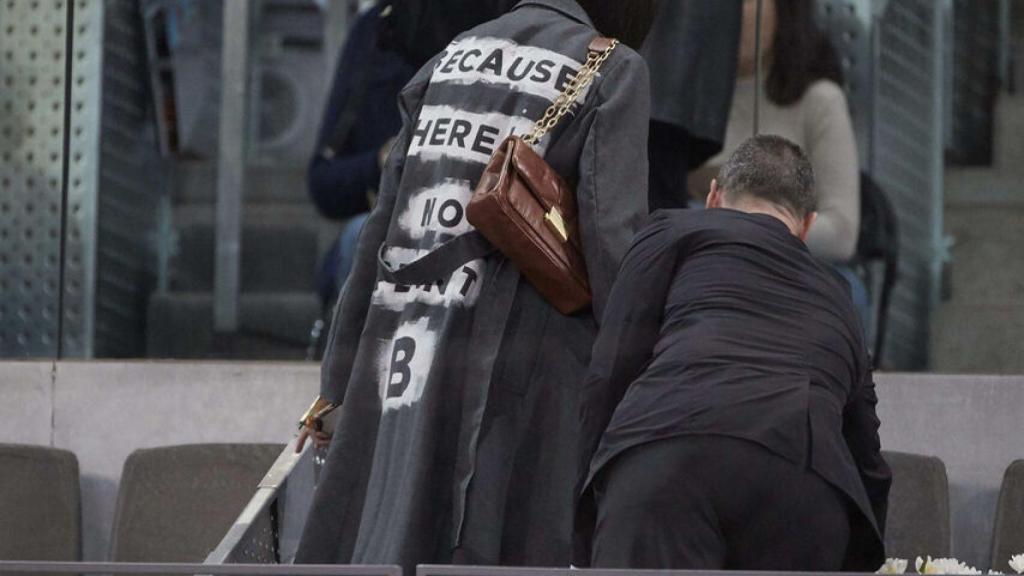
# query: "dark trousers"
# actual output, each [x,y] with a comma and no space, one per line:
[714,503]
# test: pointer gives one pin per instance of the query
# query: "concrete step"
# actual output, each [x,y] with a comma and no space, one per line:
[275,258]
[983,187]
[1008,145]
[195,182]
[988,254]
[978,339]
[288,215]
[271,326]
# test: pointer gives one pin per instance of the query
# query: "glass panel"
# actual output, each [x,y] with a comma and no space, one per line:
[163,270]
[933,93]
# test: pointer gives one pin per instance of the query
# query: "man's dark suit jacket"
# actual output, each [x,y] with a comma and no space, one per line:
[722,323]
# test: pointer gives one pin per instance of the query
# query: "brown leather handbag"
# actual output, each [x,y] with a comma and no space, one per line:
[527,211]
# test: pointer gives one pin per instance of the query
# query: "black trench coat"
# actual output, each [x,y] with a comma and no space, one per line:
[460,396]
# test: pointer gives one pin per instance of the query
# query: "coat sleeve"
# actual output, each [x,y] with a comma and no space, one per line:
[860,429]
[338,186]
[353,305]
[612,192]
[629,331]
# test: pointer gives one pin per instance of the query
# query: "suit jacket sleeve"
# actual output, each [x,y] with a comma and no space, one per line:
[629,332]
[860,429]
[354,303]
[612,192]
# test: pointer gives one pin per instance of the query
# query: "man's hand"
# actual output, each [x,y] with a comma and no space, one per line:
[311,425]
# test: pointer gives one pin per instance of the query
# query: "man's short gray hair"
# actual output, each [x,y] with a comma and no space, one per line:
[770,168]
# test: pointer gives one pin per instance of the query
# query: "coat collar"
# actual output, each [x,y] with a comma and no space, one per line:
[567,7]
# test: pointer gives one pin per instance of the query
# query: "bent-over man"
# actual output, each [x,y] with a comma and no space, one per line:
[729,412]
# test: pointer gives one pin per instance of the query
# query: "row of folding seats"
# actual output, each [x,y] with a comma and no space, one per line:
[176,503]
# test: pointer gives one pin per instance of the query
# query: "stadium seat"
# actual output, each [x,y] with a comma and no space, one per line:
[1008,537]
[40,504]
[918,521]
[176,503]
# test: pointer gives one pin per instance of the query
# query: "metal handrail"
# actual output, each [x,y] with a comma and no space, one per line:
[268,529]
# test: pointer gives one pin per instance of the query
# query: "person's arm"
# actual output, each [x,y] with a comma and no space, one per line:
[612,192]
[860,429]
[339,179]
[339,185]
[832,150]
[629,330]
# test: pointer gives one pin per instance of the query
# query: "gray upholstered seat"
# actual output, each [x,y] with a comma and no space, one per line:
[176,503]
[1008,537]
[918,520]
[40,504]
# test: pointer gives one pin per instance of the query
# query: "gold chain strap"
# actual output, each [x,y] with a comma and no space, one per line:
[567,99]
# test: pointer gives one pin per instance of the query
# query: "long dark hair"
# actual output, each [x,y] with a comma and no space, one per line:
[628,20]
[800,55]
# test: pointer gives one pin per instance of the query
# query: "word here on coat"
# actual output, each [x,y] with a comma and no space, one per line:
[446,132]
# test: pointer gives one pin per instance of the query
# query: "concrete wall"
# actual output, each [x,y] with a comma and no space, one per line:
[104,411]
[975,424]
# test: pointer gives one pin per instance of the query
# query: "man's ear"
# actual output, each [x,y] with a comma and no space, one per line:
[806,224]
[715,197]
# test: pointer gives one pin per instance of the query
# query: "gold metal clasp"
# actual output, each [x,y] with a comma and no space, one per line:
[316,410]
[556,224]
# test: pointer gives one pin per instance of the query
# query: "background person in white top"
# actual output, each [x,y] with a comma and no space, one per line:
[802,101]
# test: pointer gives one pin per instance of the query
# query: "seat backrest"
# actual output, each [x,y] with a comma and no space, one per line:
[1008,537]
[40,504]
[175,504]
[918,522]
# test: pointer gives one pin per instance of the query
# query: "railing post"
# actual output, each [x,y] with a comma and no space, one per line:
[231,162]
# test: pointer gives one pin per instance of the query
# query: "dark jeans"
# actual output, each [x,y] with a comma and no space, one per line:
[716,503]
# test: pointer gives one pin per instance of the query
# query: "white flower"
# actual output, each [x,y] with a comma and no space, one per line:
[995,573]
[1017,563]
[893,566]
[944,566]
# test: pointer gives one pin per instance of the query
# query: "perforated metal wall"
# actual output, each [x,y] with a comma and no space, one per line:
[131,188]
[83,175]
[32,40]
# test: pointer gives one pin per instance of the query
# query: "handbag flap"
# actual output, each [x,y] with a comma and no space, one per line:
[546,185]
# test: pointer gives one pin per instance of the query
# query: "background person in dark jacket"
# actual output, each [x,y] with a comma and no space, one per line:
[692,52]
[729,413]
[358,126]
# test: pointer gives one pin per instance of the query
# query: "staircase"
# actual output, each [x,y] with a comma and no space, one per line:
[980,328]
[283,238]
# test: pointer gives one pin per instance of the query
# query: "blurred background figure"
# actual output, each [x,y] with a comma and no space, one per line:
[801,98]
[692,53]
[360,120]
[385,47]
